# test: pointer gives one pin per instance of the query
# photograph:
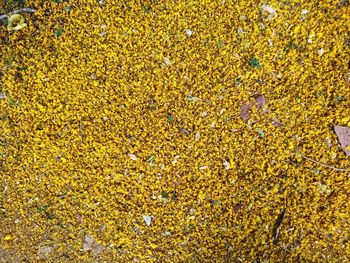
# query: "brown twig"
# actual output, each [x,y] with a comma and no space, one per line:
[17,11]
[323,164]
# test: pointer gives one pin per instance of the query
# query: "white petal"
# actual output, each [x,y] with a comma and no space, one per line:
[147,219]
[167,61]
[226,164]
[198,136]
[132,156]
[320,51]
[175,159]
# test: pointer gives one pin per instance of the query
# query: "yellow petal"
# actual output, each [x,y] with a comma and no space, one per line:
[8,237]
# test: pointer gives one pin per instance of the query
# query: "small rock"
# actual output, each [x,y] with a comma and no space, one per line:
[96,249]
[90,244]
[44,251]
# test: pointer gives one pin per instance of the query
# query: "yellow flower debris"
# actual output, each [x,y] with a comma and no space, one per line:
[112,110]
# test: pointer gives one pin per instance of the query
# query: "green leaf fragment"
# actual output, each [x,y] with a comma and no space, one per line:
[146,9]
[260,132]
[220,44]
[58,32]
[170,118]
[151,160]
[340,99]
[254,63]
[316,171]
[165,194]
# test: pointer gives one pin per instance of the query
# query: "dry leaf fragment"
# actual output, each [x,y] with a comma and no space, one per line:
[260,100]
[275,122]
[343,134]
[245,108]
[187,132]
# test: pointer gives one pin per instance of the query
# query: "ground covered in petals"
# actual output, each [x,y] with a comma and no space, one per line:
[174,131]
